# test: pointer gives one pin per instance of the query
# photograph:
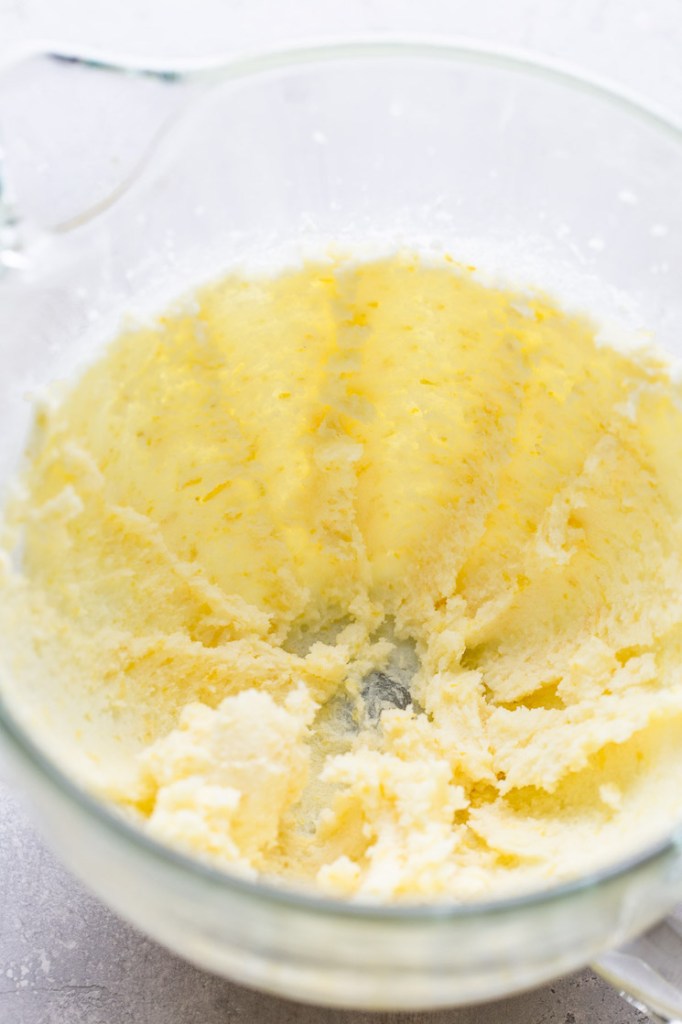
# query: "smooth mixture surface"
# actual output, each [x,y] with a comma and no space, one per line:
[366,576]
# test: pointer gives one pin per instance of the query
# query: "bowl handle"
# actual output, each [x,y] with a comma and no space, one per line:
[647,972]
[167,93]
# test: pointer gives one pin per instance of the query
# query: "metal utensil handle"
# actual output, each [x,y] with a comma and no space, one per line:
[647,971]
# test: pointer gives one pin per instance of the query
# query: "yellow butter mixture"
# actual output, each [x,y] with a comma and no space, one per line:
[366,576]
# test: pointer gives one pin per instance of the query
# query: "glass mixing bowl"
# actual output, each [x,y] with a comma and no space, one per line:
[123,188]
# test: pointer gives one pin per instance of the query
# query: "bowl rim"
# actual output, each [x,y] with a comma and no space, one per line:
[216,70]
[220,70]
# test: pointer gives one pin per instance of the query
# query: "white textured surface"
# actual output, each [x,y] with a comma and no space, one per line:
[64,959]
